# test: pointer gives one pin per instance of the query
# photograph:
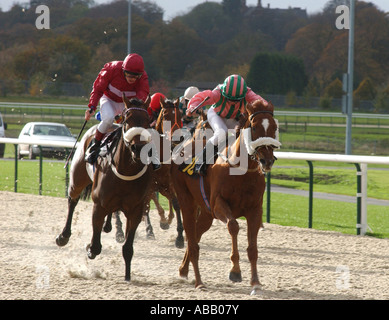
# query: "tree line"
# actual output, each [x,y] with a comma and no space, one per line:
[277,51]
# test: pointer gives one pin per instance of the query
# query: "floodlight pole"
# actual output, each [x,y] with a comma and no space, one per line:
[350,78]
[129,28]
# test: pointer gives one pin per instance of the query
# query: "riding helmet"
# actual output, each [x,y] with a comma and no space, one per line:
[234,88]
[155,102]
[134,64]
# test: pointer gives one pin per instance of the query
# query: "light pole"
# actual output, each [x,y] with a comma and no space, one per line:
[350,78]
[129,28]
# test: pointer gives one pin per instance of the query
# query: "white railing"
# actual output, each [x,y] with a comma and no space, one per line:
[361,163]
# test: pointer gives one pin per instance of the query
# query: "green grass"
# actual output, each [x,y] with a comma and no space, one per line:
[286,210]
[330,178]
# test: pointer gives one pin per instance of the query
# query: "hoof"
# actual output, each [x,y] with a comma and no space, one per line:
[235,276]
[256,290]
[164,225]
[61,240]
[150,236]
[89,252]
[120,237]
[179,242]
[201,287]
[107,228]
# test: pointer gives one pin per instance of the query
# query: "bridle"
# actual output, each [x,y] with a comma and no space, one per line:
[127,142]
[176,124]
[267,142]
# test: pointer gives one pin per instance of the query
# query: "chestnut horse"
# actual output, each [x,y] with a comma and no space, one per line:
[121,180]
[162,179]
[231,189]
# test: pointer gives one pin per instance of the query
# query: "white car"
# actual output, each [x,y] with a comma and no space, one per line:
[44,131]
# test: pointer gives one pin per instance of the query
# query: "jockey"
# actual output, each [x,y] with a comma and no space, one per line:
[155,107]
[114,79]
[228,101]
[183,106]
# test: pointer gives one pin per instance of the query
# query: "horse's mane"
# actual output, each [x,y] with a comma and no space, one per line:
[136,102]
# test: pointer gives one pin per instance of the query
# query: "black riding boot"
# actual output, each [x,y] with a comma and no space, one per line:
[202,160]
[155,160]
[93,151]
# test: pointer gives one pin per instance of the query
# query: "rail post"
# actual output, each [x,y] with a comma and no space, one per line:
[268,190]
[40,170]
[16,168]
[310,209]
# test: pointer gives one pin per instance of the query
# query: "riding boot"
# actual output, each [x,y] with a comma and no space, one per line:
[93,150]
[155,160]
[202,160]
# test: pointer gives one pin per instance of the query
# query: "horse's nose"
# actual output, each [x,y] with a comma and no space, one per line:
[266,163]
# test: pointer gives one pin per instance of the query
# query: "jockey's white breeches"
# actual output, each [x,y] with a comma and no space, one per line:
[219,126]
[109,109]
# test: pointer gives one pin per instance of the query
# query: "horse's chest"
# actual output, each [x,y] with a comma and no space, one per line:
[242,193]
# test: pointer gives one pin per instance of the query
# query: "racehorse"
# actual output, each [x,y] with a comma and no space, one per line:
[162,180]
[120,180]
[227,197]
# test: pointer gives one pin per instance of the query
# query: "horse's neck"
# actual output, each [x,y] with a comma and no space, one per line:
[234,155]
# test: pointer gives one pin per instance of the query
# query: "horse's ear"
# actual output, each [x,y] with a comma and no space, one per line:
[177,102]
[147,102]
[125,100]
[249,108]
[162,102]
[270,106]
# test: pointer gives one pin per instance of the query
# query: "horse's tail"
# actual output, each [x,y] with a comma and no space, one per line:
[86,193]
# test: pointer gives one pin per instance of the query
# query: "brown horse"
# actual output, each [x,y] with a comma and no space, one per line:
[231,189]
[162,179]
[121,180]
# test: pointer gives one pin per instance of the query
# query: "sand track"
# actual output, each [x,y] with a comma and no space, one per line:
[293,263]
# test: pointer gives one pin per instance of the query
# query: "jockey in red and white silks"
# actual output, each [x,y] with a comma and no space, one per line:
[227,102]
[114,79]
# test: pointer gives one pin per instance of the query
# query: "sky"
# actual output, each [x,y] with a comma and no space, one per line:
[173,8]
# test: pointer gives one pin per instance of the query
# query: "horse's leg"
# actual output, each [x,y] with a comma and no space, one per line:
[108,224]
[233,229]
[223,211]
[133,220]
[254,222]
[149,228]
[203,224]
[98,215]
[146,217]
[119,228]
[180,229]
[171,213]
[163,221]
[63,238]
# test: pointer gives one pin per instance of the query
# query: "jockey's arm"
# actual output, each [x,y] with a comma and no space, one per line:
[197,99]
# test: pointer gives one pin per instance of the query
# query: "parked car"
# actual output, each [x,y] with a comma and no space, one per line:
[44,131]
[3,127]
